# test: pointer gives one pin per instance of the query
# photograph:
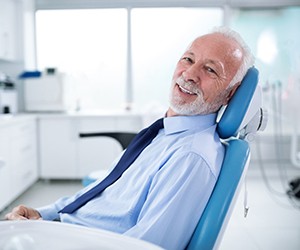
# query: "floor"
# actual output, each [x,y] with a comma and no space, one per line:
[273,222]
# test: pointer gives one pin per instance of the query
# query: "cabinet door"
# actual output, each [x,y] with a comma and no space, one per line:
[24,156]
[58,148]
[5,193]
[64,155]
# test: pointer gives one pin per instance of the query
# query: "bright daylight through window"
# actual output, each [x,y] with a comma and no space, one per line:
[90,48]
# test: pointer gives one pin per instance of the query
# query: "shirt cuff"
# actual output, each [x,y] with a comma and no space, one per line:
[49,212]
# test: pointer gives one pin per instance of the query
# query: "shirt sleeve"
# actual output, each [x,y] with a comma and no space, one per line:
[50,212]
[176,199]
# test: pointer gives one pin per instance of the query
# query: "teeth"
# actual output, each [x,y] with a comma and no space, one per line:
[185,90]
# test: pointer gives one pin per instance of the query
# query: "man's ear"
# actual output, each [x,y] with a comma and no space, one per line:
[231,93]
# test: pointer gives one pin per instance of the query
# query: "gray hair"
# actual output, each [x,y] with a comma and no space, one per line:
[248,57]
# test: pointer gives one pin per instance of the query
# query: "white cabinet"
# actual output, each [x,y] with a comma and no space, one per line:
[4,167]
[8,33]
[18,157]
[64,155]
[57,145]
[24,156]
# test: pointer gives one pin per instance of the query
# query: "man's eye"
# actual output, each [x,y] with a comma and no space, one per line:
[188,59]
[210,70]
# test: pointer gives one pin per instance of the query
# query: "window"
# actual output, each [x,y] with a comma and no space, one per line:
[90,47]
[159,38]
[274,37]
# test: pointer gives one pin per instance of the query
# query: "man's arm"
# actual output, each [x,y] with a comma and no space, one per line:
[49,212]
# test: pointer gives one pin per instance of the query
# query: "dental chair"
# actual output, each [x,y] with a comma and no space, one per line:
[239,122]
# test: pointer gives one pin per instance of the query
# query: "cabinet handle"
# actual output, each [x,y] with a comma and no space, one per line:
[2,163]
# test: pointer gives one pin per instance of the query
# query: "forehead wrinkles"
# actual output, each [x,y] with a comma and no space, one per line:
[216,45]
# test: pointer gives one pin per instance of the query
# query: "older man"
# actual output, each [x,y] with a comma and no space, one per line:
[163,193]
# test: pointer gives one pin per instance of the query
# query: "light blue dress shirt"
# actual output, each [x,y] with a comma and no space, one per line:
[162,195]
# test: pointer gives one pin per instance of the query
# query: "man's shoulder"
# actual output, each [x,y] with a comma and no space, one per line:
[205,145]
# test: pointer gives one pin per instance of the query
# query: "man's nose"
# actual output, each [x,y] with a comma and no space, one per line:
[192,74]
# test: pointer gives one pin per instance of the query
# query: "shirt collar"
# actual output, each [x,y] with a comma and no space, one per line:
[177,124]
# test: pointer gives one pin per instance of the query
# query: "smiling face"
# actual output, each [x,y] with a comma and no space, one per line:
[202,75]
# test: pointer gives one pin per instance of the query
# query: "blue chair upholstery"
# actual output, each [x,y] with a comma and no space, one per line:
[236,110]
[215,214]
[214,219]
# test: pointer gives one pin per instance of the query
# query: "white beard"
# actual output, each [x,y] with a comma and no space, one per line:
[198,107]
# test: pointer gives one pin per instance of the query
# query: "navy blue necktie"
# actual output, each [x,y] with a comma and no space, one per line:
[138,144]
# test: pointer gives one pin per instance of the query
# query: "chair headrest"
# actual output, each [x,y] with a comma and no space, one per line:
[243,107]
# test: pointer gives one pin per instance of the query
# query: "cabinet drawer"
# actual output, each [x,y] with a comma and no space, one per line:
[23,128]
[24,149]
[21,180]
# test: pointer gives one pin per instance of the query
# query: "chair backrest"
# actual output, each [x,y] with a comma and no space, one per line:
[239,112]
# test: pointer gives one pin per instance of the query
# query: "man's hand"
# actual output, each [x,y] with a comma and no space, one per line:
[23,213]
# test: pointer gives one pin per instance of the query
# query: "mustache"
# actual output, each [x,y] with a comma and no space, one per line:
[189,85]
